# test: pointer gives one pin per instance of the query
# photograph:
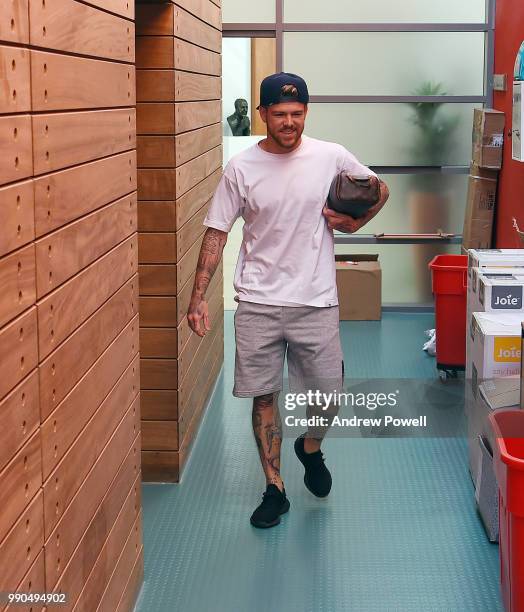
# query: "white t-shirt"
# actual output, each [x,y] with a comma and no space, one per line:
[287,252]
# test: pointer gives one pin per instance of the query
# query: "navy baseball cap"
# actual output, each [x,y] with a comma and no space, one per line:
[275,89]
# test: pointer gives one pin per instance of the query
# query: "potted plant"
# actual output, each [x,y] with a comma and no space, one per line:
[428,204]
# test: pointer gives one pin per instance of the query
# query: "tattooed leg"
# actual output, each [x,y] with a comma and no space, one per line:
[267,428]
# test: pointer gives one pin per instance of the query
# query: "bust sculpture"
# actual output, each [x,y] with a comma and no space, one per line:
[239,121]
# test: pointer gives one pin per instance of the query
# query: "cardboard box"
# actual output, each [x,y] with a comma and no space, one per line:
[480,208]
[488,138]
[359,283]
[496,394]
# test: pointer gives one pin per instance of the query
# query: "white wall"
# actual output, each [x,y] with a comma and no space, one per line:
[236,76]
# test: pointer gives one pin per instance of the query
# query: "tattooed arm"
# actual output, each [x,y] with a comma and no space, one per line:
[208,260]
[348,225]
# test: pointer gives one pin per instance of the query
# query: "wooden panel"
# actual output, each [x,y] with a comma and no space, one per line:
[15,95]
[15,148]
[17,280]
[195,171]
[97,503]
[64,368]
[155,19]
[193,200]
[66,82]
[159,466]
[158,404]
[263,62]
[14,25]
[66,25]
[16,216]
[22,545]
[158,311]
[158,342]
[132,589]
[157,280]
[156,216]
[203,9]
[70,249]
[156,151]
[64,252]
[67,421]
[68,307]
[155,118]
[156,184]
[158,373]
[155,85]
[185,237]
[159,248]
[190,87]
[67,477]
[20,415]
[155,52]
[120,7]
[194,389]
[196,415]
[192,392]
[18,350]
[195,59]
[68,194]
[198,399]
[159,435]
[19,482]
[192,115]
[90,135]
[184,297]
[100,552]
[32,582]
[195,31]
[187,265]
[123,566]
[192,144]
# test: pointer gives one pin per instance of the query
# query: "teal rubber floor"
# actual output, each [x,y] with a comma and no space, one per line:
[399,531]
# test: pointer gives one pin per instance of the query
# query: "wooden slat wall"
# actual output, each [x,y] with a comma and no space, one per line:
[69,386]
[179,157]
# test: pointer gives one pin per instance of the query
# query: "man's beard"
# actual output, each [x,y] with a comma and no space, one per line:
[277,135]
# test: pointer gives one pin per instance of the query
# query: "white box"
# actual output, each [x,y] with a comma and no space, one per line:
[495,346]
[498,277]
[494,258]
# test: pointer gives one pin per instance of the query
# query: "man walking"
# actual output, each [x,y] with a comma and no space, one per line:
[285,279]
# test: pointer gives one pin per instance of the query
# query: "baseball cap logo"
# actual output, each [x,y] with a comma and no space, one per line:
[289,91]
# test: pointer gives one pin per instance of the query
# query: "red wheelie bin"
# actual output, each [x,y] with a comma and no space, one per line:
[449,282]
[508,461]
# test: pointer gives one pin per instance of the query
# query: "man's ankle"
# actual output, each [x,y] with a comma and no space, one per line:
[277,482]
[311,445]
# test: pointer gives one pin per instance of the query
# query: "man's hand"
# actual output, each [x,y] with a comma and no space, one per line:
[349,225]
[208,260]
[198,316]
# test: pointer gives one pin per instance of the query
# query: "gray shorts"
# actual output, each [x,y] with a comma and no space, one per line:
[309,334]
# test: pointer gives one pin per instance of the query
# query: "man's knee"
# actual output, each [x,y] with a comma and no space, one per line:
[264,402]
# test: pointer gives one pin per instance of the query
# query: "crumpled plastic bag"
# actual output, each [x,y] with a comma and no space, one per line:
[431,345]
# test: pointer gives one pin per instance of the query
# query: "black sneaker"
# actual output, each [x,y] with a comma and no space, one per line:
[316,477]
[274,503]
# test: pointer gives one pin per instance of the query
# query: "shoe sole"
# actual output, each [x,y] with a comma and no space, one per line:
[305,476]
[274,523]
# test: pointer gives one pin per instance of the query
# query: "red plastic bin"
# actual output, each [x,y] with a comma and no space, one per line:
[508,461]
[449,282]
